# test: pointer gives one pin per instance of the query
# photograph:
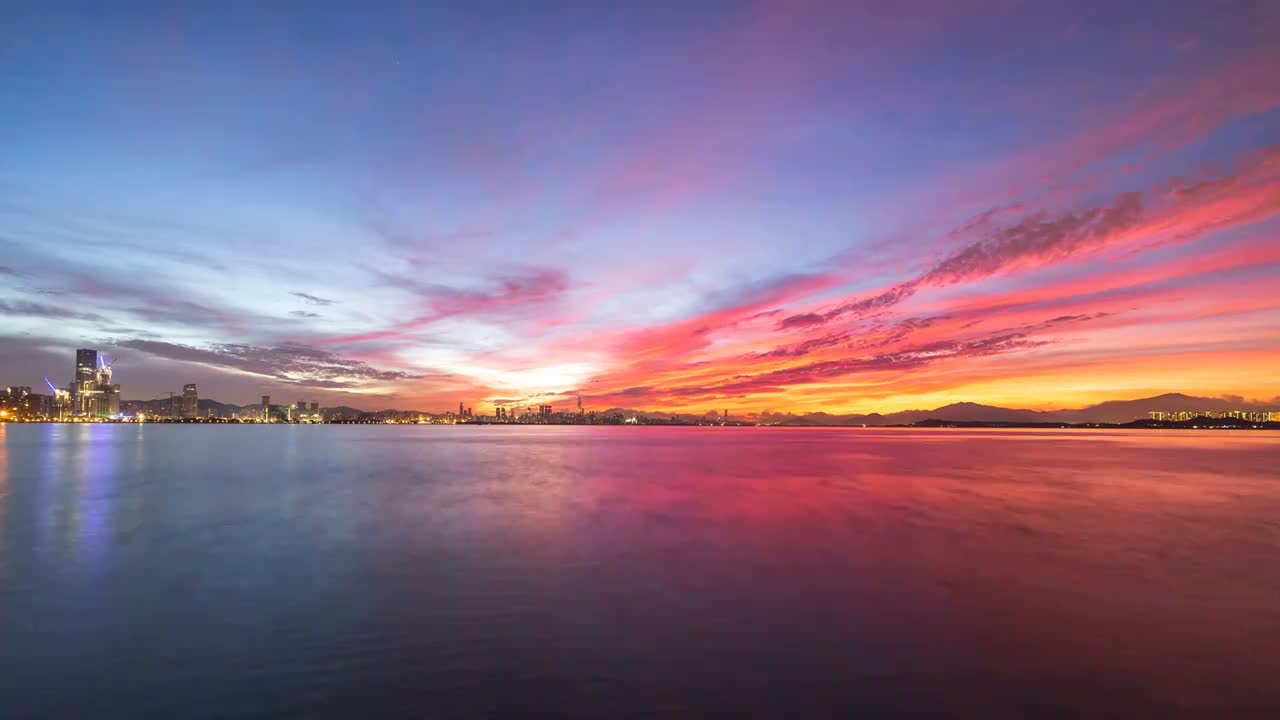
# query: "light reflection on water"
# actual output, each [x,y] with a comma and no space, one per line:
[224,571]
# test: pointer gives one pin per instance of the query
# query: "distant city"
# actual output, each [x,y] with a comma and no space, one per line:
[93,396]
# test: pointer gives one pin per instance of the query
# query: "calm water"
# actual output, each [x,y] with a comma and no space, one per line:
[635,572]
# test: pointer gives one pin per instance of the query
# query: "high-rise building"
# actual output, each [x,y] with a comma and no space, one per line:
[266,408]
[108,394]
[190,401]
[109,400]
[86,365]
[84,398]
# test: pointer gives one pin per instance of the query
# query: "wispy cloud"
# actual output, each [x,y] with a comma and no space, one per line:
[296,364]
[518,293]
[32,309]
[312,299]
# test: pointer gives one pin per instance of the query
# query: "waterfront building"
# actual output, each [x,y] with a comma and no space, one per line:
[108,394]
[190,401]
[84,400]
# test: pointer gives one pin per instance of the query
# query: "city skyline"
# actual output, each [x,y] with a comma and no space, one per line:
[759,206]
[91,396]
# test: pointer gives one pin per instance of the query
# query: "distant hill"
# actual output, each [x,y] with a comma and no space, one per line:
[1119,411]
[1112,411]
[221,409]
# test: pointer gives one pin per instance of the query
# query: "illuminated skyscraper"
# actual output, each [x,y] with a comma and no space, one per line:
[107,394]
[84,400]
[190,401]
[86,365]
[266,408]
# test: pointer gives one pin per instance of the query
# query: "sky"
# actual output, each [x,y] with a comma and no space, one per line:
[780,205]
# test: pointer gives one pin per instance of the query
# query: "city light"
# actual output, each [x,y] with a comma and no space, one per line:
[93,397]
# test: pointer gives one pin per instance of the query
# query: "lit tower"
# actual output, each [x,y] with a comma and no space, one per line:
[108,395]
[61,401]
[86,365]
[190,401]
[266,408]
[83,400]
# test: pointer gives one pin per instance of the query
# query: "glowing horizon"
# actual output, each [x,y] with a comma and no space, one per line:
[764,206]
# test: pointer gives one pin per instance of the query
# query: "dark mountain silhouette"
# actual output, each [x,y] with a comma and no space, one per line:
[1112,411]
[1119,411]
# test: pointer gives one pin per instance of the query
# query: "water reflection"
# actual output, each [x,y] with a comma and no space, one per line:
[4,481]
[677,571]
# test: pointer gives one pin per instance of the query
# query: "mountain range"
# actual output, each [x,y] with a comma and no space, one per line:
[1112,411]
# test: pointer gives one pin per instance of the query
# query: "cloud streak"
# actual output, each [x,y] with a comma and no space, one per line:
[312,299]
[294,364]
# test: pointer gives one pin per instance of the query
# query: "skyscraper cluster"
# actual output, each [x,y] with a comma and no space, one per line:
[92,393]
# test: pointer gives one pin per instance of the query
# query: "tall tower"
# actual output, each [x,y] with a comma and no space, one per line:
[86,365]
[266,408]
[84,389]
[190,401]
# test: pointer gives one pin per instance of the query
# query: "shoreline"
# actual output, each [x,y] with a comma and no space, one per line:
[924,424]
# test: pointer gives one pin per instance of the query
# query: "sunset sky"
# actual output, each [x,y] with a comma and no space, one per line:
[786,206]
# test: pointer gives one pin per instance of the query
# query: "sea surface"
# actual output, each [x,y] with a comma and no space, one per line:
[422,571]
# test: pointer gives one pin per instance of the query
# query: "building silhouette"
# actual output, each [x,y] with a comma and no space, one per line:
[190,401]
